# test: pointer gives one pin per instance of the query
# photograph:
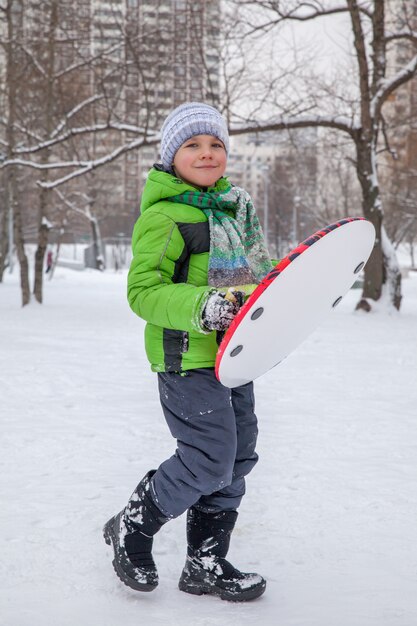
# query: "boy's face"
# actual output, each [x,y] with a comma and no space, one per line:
[201,160]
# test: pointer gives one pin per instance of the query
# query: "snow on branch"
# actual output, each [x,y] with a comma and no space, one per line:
[79,163]
[41,166]
[307,11]
[390,85]
[76,110]
[88,166]
[73,132]
[339,122]
[20,128]
[401,34]
[70,205]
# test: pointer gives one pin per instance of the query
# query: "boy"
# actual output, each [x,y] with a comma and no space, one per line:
[196,238]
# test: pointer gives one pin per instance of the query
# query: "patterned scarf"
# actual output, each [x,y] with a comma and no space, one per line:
[238,254]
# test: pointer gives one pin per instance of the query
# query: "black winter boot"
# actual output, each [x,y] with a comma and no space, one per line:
[131,533]
[206,569]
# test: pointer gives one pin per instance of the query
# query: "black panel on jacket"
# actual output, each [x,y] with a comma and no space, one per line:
[175,344]
[197,240]
[182,265]
[196,236]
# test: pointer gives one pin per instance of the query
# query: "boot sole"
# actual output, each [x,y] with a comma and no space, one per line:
[188,585]
[110,540]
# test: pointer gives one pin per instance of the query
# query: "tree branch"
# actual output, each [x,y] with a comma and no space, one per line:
[75,110]
[337,122]
[406,34]
[389,86]
[76,132]
[89,166]
[297,13]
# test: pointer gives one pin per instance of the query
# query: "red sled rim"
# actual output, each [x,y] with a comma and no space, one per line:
[271,276]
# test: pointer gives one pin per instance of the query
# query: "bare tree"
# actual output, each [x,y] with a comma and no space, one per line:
[48,109]
[62,132]
[361,120]
[11,11]
[59,95]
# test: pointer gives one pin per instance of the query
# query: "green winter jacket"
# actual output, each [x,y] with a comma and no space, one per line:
[167,280]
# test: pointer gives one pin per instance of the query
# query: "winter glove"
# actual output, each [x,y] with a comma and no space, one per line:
[221,308]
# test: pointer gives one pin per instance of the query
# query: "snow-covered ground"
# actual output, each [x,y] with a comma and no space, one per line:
[330,512]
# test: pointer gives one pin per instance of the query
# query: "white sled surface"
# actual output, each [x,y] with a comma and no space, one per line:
[285,309]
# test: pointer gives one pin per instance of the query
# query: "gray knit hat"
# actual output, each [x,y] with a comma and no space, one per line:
[187,120]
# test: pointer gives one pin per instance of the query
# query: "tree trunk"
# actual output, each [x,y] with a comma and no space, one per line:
[97,244]
[11,172]
[20,244]
[43,227]
[39,261]
[381,270]
[392,272]
[4,244]
[56,257]
[43,232]
[98,248]
[374,269]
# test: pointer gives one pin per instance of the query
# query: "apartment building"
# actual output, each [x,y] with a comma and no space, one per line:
[170,56]
[398,167]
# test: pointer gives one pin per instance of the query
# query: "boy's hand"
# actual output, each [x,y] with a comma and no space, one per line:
[221,309]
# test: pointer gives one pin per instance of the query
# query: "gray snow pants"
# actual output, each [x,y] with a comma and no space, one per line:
[216,431]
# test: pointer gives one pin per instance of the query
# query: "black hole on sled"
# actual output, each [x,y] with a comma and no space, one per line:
[236,351]
[257,313]
[336,302]
[358,269]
